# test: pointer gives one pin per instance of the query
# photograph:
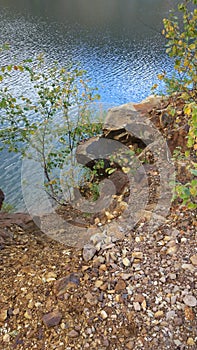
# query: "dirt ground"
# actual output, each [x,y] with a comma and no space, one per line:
[137,292]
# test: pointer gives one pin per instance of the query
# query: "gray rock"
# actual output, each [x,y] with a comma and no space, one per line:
[89,251]
[172,276]
[170,314]
[190,300]
[98,237]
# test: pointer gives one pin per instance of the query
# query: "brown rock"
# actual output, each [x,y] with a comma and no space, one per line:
[66,283]
[73,334]
[120,285]
[194,259]
[5,235]
[130,345]
[137,255]
[91,299]
[189,314]
[120,181]
[52,319]
[172,250]
[23,220]
[145,106]
[139,298]
[178,321]
[159,314]
[3,314]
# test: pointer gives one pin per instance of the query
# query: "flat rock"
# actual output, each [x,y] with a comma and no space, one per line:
[73,334]
[66,283]
[89,251]
[52,318]
[96,148]
[91,299]
[120,285]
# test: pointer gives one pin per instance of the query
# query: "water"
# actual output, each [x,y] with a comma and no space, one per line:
[118,42]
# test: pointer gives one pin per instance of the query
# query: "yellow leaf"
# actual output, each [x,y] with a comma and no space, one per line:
[192,46]
[125,170]
[160,76]
[187,110]
[52,182]
[186,63]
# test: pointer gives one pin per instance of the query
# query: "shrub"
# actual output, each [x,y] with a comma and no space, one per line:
[30,124]
[180,31]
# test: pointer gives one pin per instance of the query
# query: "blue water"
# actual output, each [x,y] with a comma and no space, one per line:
[118,42]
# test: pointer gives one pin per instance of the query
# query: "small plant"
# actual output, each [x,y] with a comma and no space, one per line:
[7,208]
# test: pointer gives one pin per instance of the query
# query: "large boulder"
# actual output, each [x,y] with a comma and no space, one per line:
[127,124]
[136,124]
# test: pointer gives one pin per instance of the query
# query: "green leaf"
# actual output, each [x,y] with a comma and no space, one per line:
[194,172]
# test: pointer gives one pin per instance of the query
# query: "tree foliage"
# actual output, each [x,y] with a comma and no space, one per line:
[180,30]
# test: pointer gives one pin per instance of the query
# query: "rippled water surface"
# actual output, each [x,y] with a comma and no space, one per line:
[118,42]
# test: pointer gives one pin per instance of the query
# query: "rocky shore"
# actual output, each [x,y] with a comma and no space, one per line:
[122,287]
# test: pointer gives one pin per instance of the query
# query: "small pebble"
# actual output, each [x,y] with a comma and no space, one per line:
[126,262]
[170,314]
[190,300]
[91,299]
[194,259]
[103,314]
[177,342]
[6,338]
[172,276]
[178,321]
[158,314]
[3,315]
[28,315]
[120,285]
[73,334]
[136,306]
[98,283]
[163,279]
[190,341]
[137,255]
[189,267]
